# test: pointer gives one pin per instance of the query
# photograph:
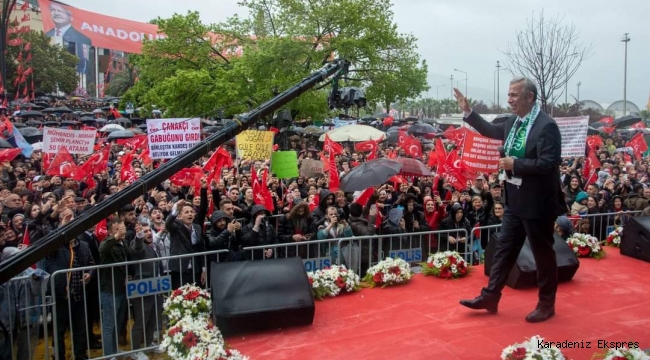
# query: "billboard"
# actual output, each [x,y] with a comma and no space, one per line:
[78,30]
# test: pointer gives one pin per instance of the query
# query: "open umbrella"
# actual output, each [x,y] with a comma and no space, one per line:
[353,133]
[111,128]
[410,118]
[4,144]
[627,120]
[37,146]
[33,122]
[592,131]
[371,173]
[412,167]
[29,131]
[30,113]
[419,129]
[120,134]
[313,130]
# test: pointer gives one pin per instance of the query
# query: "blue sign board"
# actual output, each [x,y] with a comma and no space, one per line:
[317,263]
[148,286]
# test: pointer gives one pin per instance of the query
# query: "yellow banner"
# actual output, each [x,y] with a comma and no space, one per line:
[254,144]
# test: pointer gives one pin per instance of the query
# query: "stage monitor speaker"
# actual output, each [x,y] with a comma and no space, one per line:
[524,273]
[635,241]
[260,295]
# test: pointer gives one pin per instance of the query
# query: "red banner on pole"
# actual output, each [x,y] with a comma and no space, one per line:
[480,153]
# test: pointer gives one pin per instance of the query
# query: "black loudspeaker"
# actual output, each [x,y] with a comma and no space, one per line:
[260,295]
[524,273]
[635,241]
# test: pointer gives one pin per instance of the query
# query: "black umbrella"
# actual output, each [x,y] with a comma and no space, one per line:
[411,118]
[4,144]
[381,115]
[500,119]
[30,113]
[592,131]
[33,122]
[51,123]
[62,110]
[419,129]
[626,121]
[87,118]
[49,110]
[29,131]
[371,173]
[121,134]
[27,105]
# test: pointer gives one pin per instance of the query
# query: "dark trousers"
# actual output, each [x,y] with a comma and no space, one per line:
[147,311]
[71,316]
[510,241]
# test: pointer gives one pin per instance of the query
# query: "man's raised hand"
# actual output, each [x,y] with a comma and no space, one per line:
[462,101]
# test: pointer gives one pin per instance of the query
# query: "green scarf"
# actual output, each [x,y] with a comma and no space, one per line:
[515,145]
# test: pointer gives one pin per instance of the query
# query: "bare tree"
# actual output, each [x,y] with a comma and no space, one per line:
[548,52]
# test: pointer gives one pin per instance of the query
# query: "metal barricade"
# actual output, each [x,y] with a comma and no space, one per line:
[23,312]
[134,305]
[315,254]
[361,252]
[480,235]
[600,225]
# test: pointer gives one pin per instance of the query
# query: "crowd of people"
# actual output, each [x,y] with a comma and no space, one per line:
[225,214]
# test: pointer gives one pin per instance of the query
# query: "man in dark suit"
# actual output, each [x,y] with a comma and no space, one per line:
[532,145]
[62,19]
[185,237]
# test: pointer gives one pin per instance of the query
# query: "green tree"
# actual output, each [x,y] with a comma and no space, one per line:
[52,65]
[193,72]
[122,81]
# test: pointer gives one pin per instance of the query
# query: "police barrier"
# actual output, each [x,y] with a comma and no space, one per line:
[130,290]
[23,315]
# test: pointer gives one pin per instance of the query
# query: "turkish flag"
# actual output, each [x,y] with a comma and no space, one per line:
[638,144]
[594,141]
[334,182]
[452,171]
[638,125]
[332,146]
[413,148]
[607,120]
[187,176]
[136,142]
[591,166]
[63,165]
[365,196]
[100,231]
[97,162]
[402,138]
[455,135]
[9,154]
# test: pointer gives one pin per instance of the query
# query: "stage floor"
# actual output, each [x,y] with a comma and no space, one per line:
[607,300]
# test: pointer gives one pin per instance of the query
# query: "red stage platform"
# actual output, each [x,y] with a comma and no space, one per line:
[607,300]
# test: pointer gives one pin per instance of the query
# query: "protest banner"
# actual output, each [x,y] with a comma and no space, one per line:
[480,153]
[169,138]
[80,142]
[338,122]
[311,168]
[254,144]
[574,135]
[284,164]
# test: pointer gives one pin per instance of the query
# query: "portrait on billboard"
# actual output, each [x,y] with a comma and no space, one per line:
[65,34]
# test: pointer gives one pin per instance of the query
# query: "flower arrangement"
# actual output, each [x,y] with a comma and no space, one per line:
[584,245]
[614,238]
[388,272]
[624,354]
[187,301]
[446,265]
[196,338]
[332,280]
[531,349]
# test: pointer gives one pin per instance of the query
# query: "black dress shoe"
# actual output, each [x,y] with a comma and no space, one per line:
[540,314]
[482,302]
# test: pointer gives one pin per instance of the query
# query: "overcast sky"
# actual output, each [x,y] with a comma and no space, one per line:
[469,35]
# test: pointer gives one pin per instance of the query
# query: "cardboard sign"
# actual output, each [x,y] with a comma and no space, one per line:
[169,138]
[311,168]
[254,144]
[284,164]
[574,135]
[80,142]
[480,153]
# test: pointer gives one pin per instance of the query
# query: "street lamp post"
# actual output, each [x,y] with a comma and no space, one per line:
[451,84]
[566,85]
[495,86]
[498,89]
[579,83]
[625,39]
[461,71]
[437,90]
